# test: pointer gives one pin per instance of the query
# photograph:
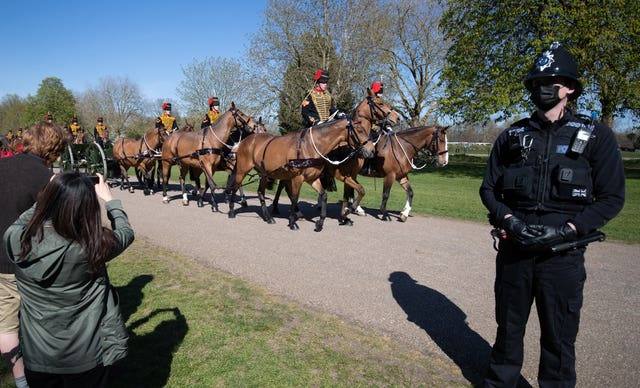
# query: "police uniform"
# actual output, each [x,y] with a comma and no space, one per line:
[318,105]
[537,173]
[167,121]
[212,115]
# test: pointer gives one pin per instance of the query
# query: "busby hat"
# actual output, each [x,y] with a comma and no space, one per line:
[214,101]
[166,106]
[321,76]
[48,117]
[74,119]
[376,87]
[556,62]
[100,119]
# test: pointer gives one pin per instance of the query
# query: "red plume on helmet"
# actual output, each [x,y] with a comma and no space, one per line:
[166,106]
[321,76]
[213,101]
[376,87]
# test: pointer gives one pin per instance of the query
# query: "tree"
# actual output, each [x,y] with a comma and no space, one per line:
[414,59]
[298,37]
[117,100]
[494,43]
[12,113]
[225,78]
[51,98]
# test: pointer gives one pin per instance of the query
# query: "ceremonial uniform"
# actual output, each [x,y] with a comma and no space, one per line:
[100,132]
[543,187]
[318,105]
[213,113]
[167,121]
[77,132]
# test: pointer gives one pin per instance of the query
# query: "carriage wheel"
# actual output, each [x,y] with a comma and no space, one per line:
[67,161]
[96,161]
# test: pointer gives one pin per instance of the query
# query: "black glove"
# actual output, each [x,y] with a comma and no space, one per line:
[518,231]
[552,235]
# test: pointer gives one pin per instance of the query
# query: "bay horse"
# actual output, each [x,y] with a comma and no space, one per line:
[202,150]
[300,156]
[394,159]
[140,155]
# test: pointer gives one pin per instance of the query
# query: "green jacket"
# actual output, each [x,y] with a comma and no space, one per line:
[70,320]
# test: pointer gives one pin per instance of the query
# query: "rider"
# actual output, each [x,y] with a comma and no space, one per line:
[10,135]
[318,105]
[213,113]
[167,121]
[100,132]
[19,133]
[76,130]
[48,118]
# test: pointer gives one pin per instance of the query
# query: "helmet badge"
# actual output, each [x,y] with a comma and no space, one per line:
[546,59]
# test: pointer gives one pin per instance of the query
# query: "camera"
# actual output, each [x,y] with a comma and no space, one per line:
[93,178]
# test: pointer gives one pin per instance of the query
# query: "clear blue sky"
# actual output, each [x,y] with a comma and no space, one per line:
[82,41]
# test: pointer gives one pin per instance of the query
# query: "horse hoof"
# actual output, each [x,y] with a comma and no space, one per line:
[131,190]
[403,218]
[318,227]
[185,203]
[244,204]
[271,221]
[194,192]
[146,192]
[346,221]
[294,226]
[121,188]
[359,211]
[200,203]
[386,218]
[165,201]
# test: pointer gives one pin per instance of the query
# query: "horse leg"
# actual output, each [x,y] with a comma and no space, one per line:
[232,186]
[263,203]
[276,198]
[293,190]
[210,183]
[183,185]
[166,169]
[388,181]
[322,197]
[406,185]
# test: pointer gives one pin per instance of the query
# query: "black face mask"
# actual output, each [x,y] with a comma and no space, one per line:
[545,97]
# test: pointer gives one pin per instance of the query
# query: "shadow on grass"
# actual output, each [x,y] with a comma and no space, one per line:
[445,323]
[150,355]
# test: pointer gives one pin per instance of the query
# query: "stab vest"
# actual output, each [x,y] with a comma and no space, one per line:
[542,173]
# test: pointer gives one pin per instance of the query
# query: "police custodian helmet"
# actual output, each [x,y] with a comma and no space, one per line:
[556,62]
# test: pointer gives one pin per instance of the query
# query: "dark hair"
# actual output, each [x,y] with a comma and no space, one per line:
[46,140]
[70,203]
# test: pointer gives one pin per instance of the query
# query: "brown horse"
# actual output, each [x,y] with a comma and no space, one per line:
[203,150]
[301,156]
[394,159]
[140,155]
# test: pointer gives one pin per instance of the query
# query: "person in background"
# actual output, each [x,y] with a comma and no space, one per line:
[48,118]
[5,148]
[551,178]
[10,135]
[318,105]
[71,328]
[377,89]
[167,121]
[100,132]
[19,133]
[77,133]
[22,177]
[213,113]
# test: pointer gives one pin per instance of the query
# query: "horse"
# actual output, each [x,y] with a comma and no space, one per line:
[300,156]
[202,150]
[140,155]
[228,165]
[395,152]
[393,161]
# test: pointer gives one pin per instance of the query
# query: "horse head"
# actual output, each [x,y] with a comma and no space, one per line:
[372,110]
[438,147]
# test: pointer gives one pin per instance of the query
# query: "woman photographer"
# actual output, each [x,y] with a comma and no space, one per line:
[71,329]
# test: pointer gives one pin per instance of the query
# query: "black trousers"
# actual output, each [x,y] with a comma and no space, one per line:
[94,378]
[556,284]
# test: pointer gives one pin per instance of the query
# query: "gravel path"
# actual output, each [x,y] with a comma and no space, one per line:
[426,283]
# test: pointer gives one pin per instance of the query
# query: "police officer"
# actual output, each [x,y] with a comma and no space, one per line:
[551,178]
[213,113]
[318,105]
[167,121]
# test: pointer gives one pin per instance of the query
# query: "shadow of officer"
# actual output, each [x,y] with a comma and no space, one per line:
[445,323]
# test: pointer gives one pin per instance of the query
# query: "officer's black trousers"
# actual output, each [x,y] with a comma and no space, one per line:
[556,284]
